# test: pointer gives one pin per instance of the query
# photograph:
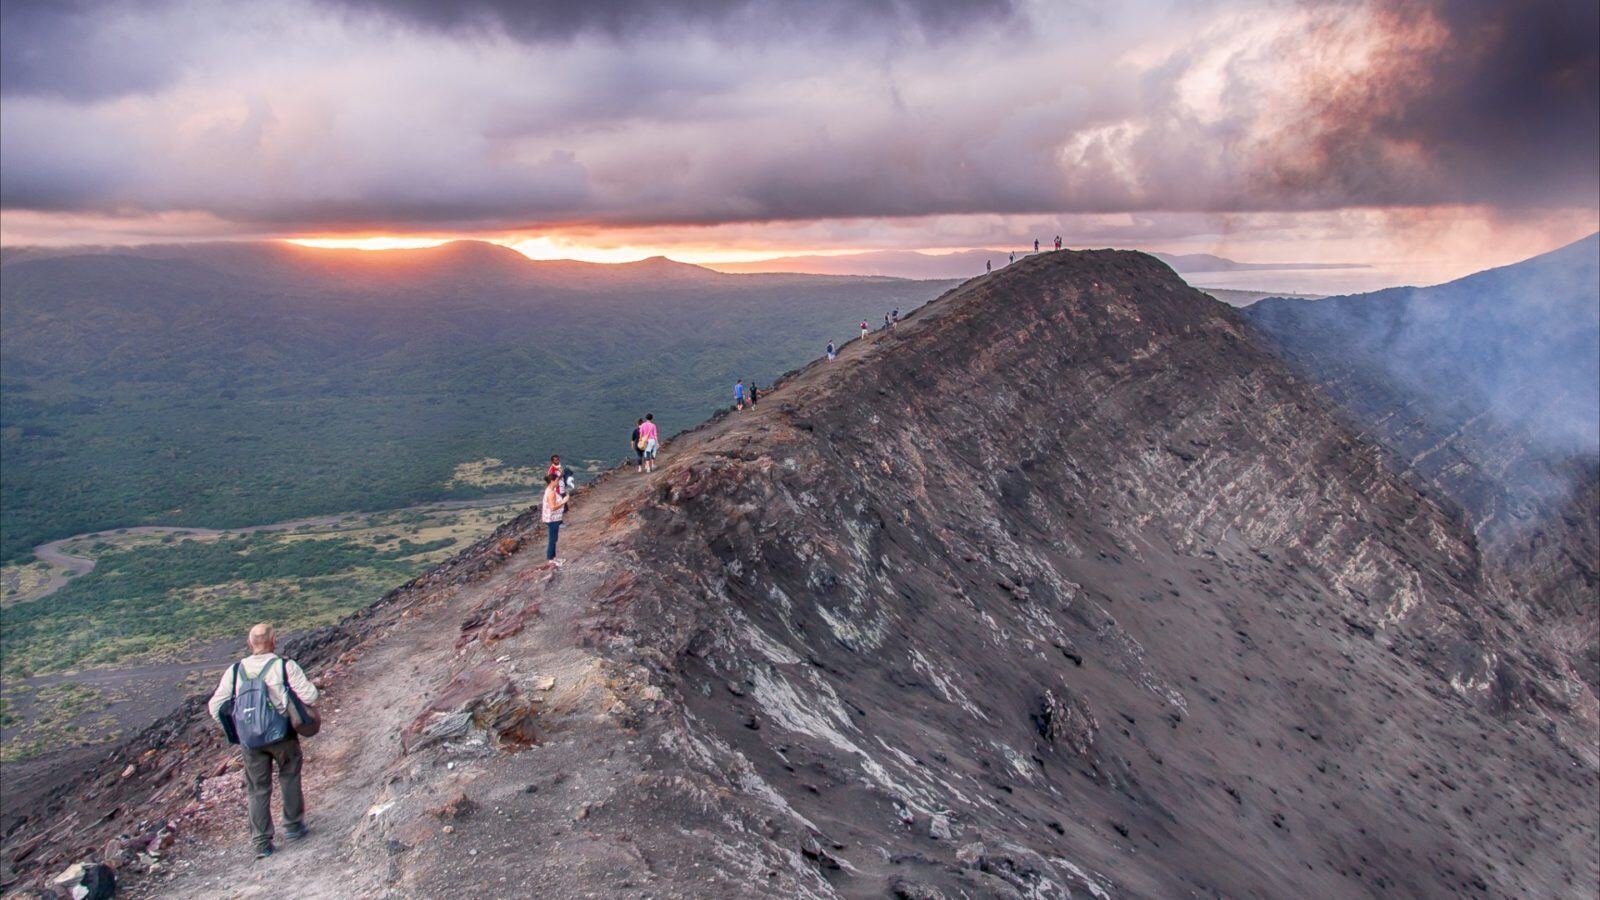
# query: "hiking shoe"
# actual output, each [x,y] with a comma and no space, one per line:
[295,834]
[263,852]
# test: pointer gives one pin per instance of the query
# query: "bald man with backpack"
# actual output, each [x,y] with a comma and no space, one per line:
[264,704]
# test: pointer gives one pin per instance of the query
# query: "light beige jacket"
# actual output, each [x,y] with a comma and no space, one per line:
[251,667]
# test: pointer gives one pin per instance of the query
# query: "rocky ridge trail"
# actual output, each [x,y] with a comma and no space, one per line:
[1065,587]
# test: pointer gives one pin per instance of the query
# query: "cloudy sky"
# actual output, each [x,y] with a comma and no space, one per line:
[1449,132]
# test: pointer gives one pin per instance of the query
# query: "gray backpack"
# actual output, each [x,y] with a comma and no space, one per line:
[256,721]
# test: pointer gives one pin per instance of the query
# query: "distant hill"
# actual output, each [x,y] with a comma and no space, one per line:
[235,383]
[967,263]
[1487,389]
[1245,298]
[1205,262]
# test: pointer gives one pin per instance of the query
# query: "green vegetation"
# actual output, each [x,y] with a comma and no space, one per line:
[151,600]
[22,579]
[152,594]
[58,709]
[239,385]
[251,384]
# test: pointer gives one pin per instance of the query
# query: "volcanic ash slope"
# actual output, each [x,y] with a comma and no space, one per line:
[1065,588]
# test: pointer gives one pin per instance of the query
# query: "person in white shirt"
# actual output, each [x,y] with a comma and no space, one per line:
[278,673]
[552,511]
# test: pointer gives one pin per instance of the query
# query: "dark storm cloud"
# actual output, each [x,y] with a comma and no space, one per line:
[1471,100]
[83,49]
[405,115]
[541,20]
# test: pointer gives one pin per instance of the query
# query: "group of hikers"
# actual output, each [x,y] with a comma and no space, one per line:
[743,397]
[890,320]
[988,266]
[559,482]
[748,396]
[265,703]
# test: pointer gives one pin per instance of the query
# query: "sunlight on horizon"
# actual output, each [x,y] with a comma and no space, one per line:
[370,243]
[546,248]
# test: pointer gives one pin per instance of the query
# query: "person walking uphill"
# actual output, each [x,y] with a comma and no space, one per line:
[264,702]
[551,510]
[738,394]
[637,442]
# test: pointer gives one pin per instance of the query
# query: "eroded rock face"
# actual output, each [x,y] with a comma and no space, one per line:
[1065,721]
[1085,474]
[1486,390]
[1066,588]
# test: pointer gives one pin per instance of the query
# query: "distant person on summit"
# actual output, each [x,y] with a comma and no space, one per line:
[987,267]
[637,443]
[647,433]
[738,394]
[1036,245]
[258,702]
[864,328]
[552,510]
[1013,257]
[832,352]
[755,393]
[1058,242]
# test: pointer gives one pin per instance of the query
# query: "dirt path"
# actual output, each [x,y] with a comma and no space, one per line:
[363,716]
[68,566]
[350,765]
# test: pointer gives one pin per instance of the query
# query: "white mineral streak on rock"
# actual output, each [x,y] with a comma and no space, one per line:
[1406,598]
[1478,681]
[1019,764]
[704,746]
[823,717]
[1093,885]
[1130,659]
[947,688]
[771,650]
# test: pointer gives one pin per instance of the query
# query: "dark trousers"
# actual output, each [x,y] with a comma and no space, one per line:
[285,754]
[555,531]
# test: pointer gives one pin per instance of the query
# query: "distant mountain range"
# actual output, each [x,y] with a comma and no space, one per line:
[238,383]
[966,263]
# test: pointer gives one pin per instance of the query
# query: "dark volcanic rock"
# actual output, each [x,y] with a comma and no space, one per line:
[1487,390]
[1067,587]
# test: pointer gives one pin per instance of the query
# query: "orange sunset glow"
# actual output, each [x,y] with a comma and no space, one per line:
[548,247]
